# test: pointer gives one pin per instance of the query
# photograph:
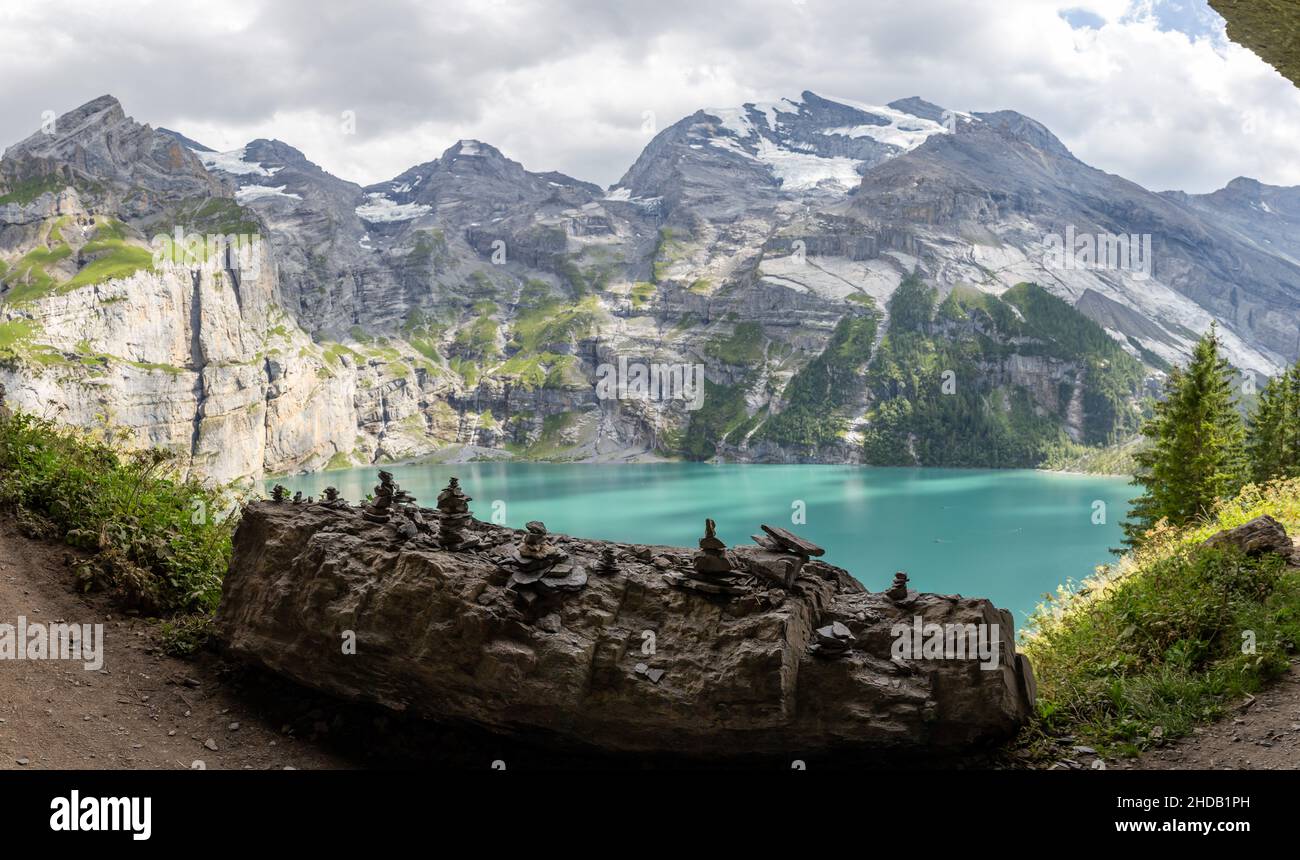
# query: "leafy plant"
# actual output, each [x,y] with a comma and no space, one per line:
[1171,634]
[156,539]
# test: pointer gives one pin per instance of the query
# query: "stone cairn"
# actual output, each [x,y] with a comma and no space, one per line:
[535,551]
[898,591]
[379,509]
[279,493]
[330,498]
[389,503]
[782,556]
[712,570]
[537,562]
[608,564]
[453,516]
[833,641]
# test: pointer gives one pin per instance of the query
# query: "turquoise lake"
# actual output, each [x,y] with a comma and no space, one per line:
[1009,535]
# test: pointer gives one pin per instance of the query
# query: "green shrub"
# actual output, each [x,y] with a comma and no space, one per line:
[156,540]
[185,634]
[1170,635]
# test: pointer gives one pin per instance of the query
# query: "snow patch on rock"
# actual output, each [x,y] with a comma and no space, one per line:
[233,162]
[260,192]
[380,210]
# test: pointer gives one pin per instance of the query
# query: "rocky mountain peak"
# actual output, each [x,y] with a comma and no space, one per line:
[185,141]
[1018,127]
[275,152]
[99,143]
[469,148]
[1244,186]
[80,126]
[813,145]
[106,109]
[917,106]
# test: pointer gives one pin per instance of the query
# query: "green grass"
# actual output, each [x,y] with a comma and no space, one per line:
[540,370]
[108,257]
[18,343]
[29,278]
[333,352]
[548,321]
[585,281]
[153,365]
[209,215]
[544,323]
[424,334]
[642,293]
[742,348]
[15,333]
[340,460]
[479,338]
[668,250]
[153,539]
[1151,646]
[550,443]
[28,190]
[55,233]
[466,369]
[429,250]
[115,260]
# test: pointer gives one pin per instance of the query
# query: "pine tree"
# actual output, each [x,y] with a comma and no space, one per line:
[1198,450]
[1274,432]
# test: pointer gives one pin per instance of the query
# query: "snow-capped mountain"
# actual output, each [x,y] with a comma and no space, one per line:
[466,303]
[759,152]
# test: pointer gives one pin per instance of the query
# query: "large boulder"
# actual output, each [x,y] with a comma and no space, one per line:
[1261,535]
[627,661]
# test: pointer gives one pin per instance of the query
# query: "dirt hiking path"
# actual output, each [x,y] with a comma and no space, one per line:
[1262,733]
[142,709]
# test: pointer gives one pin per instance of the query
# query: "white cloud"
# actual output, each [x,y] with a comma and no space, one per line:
[1149,89]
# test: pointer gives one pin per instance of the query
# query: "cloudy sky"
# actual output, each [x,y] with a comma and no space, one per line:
[1149,89]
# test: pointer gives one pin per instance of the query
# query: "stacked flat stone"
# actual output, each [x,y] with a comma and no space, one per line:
[711,571]
[537,562]
[781,556]
[332,499]
[535,552]
[379,510]
[833,641]
[608,565]
[402,499]
[898,591]
[454,515]
[279,493]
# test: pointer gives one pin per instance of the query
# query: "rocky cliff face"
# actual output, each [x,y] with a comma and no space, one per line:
[469,306]
[607,649]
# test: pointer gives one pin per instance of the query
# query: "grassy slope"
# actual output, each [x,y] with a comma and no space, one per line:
[1162,640]
[158,541]
[107,256]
